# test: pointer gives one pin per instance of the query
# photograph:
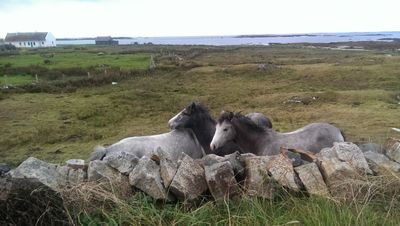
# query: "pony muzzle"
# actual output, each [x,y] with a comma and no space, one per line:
[213,146]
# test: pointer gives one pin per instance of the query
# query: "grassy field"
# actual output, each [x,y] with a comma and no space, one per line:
[358,91]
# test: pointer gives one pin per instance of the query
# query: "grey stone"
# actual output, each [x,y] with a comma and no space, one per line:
[189,181]
[4,168]
[234,159]
[258,182]
[62,176]
[211,159]
[341,177]
[312,180]
[237,165]
[76,163]
[168,170]
[146,177]
[98,170]
[243,157]
[109,178]
[334,170]
[371,147]
[32,167]
[265,173]
[379,163]
[76,176]
[122,161]
[347,152]
[296,159]
[392,149]
[221,180]
[280,168]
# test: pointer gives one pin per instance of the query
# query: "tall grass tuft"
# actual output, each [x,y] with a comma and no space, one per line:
[379,206]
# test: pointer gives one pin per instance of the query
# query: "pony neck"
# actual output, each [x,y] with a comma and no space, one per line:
[204,133]
[252,141]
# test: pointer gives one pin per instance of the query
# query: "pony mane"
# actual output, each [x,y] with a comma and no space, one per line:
[238,118]
[199,109]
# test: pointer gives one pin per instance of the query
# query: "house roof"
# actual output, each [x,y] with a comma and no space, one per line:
[26,36]
[104,38]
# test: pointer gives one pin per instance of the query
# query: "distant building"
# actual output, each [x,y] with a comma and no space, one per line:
[31,39]
[106,40]
[2,42]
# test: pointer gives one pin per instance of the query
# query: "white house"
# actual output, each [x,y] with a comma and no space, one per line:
[31,39]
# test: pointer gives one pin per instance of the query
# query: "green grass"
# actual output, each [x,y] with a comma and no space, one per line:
[16,80]
[359,99]
[140,210]
[78,58]
[357,91]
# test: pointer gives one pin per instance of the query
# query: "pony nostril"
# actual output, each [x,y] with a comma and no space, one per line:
[212,147]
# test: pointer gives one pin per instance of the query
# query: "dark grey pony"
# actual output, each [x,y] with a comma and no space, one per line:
[197,118]
[252,138]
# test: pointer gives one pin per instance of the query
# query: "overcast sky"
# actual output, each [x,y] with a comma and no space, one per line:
[88,18]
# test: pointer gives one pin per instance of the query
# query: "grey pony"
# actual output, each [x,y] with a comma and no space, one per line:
[265,141]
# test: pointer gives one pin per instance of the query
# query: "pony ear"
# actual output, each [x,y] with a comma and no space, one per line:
[231,115]
[192,107]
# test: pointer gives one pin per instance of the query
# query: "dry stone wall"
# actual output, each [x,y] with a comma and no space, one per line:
[334,172]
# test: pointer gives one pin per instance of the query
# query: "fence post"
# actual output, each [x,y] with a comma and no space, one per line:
[152,62]
[37,78]
[5,81]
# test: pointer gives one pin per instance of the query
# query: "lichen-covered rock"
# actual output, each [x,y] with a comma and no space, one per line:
[347,152]
[221,180]
[333,169]
[312,180]
[146,177]
[110,178]
[99,171]
[168,168]
[392,149]
[122,161]
[34,168]
[343,179]
[258,182]
[379,163]
[189,181]
[280,168]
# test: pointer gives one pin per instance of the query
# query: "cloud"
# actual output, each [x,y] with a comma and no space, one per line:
[14,3]
[9,3]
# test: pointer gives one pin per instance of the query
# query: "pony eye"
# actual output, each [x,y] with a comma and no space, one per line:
[226,129]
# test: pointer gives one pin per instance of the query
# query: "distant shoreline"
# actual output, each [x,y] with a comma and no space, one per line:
[257,39]
[339,34]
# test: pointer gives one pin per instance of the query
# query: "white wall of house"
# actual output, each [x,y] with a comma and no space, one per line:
[49,42]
